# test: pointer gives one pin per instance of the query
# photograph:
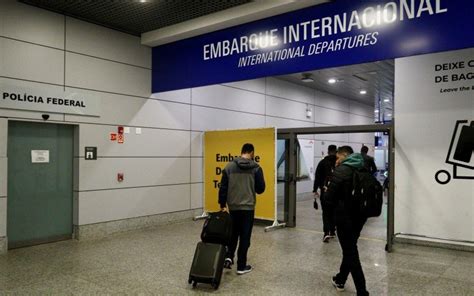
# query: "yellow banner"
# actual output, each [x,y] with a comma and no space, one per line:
[221,146]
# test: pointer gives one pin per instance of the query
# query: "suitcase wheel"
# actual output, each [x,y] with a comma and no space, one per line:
[190,281]
[215,286]
[195,284]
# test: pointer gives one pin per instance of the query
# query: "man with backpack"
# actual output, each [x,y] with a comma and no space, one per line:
[349,218]
[369,161]
[322,176]
[241,180]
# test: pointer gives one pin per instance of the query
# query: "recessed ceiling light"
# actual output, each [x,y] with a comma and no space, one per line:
[389,114]
[376,111]
[332,80]
[142,1]
[363,92]
[386,100]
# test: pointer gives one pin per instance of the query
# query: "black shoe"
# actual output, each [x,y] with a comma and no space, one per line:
[339,287]
[246,269]
[332,234]
[228,263]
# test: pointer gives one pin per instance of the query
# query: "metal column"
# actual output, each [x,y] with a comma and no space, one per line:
[291,222]
[391,192]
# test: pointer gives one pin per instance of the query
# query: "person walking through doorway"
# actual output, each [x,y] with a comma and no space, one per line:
[349,220]
[322,176]
[369,161]
[241,180]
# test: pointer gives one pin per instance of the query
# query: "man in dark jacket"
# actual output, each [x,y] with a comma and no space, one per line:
[322,176]
[241,180]
[349,221]
[369,161]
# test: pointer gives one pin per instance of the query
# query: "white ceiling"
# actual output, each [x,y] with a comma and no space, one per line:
[376,78]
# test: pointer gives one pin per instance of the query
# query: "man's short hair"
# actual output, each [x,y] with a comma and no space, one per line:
[345,150]
[247,148]
[332,149]
[364,149]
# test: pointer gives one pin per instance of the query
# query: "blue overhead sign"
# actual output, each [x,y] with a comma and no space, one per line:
[323,36]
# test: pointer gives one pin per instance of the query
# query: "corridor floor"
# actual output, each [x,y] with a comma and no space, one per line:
[310,219]
[286,262]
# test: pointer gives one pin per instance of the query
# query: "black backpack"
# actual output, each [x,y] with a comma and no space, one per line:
[217,228]
[367,193]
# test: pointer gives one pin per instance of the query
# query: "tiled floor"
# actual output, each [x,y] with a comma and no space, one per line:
[286,262]
[309,218]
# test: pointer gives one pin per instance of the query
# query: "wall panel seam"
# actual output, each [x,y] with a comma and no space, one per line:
[316,105]
[137,217]
[108,60]
[362,116]
[190,147]
[94,90]
[287,118]
[138,187]
[240,88]
[31,43]
[230,110]
[64,63]
[138,157]
[74,52]
[291,100]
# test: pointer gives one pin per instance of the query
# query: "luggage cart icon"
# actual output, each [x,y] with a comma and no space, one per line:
[460,153]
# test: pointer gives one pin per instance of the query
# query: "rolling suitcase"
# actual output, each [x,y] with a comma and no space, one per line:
[208,264]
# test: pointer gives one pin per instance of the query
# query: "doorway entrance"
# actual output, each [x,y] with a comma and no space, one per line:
[40,183]
[287,148]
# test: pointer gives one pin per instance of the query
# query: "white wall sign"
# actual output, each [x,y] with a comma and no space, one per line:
[40,156]
[307,150]
[47,100]
[434,176]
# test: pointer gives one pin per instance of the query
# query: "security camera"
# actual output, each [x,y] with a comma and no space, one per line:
[45,116]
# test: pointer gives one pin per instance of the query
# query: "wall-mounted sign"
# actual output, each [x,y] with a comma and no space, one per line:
[460,154]
[90,153]
[221,147]
[40,156]
[323,36]
[47,100]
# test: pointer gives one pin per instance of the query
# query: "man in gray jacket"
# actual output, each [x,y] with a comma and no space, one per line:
[241,180]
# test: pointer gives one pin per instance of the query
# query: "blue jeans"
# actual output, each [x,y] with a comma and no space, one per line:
[242,224]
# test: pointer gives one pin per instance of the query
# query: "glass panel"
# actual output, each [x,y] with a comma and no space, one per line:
[281,177]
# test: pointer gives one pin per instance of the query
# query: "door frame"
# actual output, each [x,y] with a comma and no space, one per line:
[291,134]
[75,181]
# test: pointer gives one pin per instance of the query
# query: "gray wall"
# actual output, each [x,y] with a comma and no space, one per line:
[163,165]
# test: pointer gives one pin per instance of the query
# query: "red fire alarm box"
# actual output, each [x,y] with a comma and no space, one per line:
[120,130]
[120,177]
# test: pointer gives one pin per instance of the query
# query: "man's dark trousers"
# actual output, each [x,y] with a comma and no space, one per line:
[348,232]
[329,226]
[242,224]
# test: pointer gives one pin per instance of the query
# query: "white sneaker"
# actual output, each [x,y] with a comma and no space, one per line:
[326,238]
[247,269]
[228,263]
